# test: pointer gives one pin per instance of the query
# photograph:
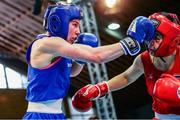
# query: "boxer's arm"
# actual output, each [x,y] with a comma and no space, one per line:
[82,100]
[129,76]
[59,47]
[76,69]
[104,53]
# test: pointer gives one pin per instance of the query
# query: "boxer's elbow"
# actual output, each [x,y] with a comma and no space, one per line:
[74,74]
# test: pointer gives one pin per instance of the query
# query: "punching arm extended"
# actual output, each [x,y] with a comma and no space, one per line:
[82,100]
[127,77]
[103,53]
[56,46]
[140,29]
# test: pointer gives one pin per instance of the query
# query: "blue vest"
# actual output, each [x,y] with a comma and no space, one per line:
[50,83]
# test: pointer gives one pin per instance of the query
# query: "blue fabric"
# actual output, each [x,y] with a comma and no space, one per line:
[47,116]
[50,83]
[58,17]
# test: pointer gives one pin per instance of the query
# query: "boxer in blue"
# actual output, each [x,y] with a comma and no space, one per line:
[61,52]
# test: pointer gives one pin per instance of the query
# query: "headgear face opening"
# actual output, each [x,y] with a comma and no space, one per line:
[170,33]
[57,18]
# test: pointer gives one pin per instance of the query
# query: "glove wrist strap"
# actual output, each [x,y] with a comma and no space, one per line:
[103,89]
[130,46]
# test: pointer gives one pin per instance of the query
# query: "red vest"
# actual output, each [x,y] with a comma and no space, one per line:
[152,74]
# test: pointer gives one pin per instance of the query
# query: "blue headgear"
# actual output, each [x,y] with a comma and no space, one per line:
[57,18]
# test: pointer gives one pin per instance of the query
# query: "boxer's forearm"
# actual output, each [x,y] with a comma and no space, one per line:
[105,53]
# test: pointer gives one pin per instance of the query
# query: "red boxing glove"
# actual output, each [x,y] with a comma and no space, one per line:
[82,100]
[167,89]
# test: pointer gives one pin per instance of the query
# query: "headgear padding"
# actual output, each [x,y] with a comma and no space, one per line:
[57,18]
[170,31]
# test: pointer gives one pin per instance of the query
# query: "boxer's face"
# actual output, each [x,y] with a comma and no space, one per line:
[74,30]
[155,43]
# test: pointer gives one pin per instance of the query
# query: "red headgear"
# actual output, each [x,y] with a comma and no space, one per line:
[167,25]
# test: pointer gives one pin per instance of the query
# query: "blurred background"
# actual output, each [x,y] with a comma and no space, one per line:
[21,21]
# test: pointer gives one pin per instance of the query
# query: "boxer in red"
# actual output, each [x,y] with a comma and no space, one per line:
[160,65]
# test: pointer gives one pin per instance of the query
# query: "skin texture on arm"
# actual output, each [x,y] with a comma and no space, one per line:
[129,76]
[51,47]
[105,53]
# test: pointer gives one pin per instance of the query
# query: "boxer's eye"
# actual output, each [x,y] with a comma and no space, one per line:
[158,36]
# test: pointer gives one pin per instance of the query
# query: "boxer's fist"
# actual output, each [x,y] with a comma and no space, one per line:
[167,89]
[82,100]
[141,29]
[87,39]
[80,103]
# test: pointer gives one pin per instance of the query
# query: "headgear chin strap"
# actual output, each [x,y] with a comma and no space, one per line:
[170,31]
[57,18]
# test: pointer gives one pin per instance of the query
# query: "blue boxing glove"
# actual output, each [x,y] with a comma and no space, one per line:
[87,39]
[140,29]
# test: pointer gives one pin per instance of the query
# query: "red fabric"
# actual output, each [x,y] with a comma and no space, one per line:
[152,75]
[155,118]
[169,31]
